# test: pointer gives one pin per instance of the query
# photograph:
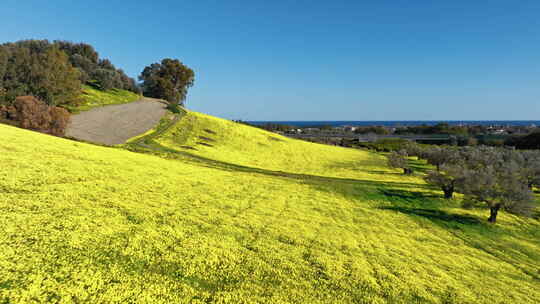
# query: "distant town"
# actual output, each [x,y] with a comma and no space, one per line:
[440,133]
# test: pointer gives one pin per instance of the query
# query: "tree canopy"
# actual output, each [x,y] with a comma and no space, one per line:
[55,71]
[40,70]
[499,178]
[398,160]
[169,80]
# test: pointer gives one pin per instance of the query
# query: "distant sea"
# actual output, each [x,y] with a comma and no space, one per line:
[398,123]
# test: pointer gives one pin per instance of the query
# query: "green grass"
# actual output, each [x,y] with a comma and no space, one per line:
[92,98]
[250,217]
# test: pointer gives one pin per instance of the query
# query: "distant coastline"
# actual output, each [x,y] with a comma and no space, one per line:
[396,123]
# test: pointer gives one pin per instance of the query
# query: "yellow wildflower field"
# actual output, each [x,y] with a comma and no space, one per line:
[84,223]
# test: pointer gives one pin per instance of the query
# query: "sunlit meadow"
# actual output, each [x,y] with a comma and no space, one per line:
[241,215]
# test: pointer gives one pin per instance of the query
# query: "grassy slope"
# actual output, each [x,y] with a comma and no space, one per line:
[92,98]
[235,143]
[105,225]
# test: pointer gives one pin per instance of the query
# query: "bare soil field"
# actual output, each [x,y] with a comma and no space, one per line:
[115,124]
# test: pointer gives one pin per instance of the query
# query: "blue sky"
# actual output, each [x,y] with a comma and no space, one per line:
[316,60]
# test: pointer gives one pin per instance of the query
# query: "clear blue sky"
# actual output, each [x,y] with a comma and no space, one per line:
[316,60]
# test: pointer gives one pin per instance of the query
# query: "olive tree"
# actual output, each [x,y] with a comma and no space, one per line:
[438,156]
[529,162]
[448,178]
[399,160]
[498,182]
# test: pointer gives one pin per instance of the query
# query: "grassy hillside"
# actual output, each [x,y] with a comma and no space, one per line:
[88,223]
[93,98]
[239,144]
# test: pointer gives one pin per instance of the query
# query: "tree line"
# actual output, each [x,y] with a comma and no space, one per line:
[54,71]
[498,178]
[37,76]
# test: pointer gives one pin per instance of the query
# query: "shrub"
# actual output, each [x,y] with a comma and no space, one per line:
[33,114]
[173,107]
[59,121]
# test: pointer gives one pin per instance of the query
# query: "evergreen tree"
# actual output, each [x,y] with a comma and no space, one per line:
[169,80]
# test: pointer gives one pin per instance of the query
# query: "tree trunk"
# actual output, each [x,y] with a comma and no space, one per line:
[438,167]
[493,213]
[448,192]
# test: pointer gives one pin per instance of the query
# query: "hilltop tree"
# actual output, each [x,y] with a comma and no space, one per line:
[169,80]
[42,70]
[54,72]
[95,70]
[58,81]
[82,56]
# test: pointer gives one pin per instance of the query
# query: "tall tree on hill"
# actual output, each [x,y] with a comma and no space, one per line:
[58,81]
[42,70]
[82,56]
[169,80]
[95,70]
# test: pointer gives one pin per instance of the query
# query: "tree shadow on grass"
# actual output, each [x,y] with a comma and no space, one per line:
[412,197]
[421,168]
[476,233]
[437,215]
[385,172]
[157,148]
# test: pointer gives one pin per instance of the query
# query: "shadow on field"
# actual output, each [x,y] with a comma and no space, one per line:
[400,196]
[490,239]
[355,165]
[157,148]
[419,168]
[384,172]
[437,215]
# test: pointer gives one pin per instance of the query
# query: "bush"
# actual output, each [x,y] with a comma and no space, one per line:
[33,114]
[173,107]
[59,121]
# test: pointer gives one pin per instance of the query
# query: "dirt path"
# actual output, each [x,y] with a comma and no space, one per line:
[115,124]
